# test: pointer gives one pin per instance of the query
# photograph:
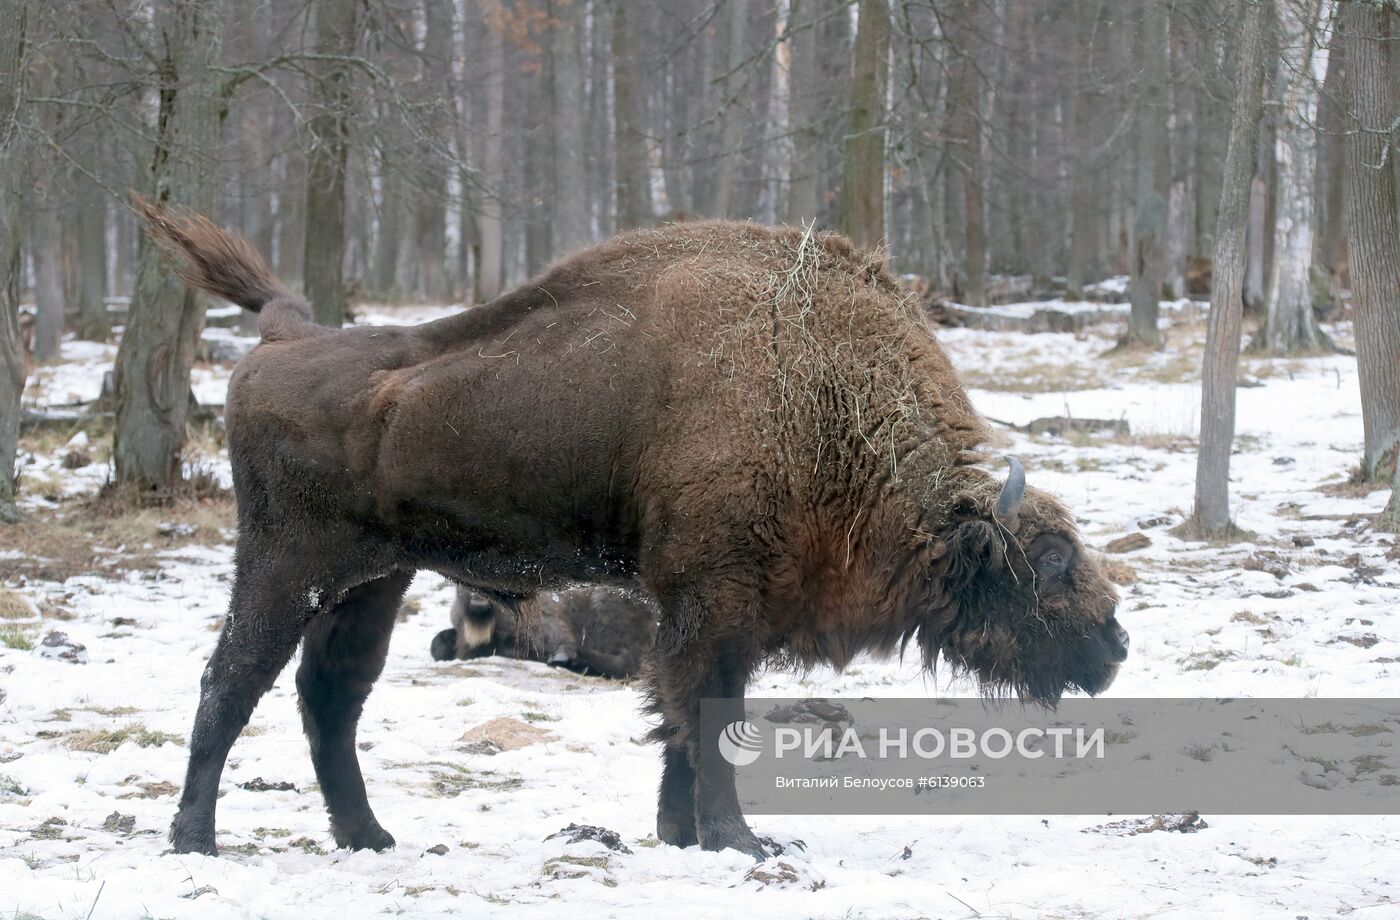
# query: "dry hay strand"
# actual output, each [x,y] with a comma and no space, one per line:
[827,331]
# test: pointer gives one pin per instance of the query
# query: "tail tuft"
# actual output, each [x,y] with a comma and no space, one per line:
[214,260]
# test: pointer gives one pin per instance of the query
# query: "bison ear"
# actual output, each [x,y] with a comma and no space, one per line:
[973,546]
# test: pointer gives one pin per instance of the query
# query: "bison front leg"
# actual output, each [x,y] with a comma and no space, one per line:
[698,800]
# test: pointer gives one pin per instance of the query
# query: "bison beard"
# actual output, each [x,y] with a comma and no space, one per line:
[751,425]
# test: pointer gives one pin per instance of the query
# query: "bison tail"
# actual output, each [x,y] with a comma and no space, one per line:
[224,264]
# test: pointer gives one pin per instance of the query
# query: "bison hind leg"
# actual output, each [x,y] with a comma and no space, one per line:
[342,657]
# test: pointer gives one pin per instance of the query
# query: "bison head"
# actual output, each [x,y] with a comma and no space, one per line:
[1018,601]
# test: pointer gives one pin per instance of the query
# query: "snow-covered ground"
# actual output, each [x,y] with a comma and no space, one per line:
[1308,608]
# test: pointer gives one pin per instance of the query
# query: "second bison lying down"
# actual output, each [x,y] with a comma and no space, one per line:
[589,630]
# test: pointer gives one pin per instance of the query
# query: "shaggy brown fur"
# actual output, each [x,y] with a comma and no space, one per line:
[598,631]
[750,424]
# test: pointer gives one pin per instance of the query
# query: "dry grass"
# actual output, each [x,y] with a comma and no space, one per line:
[13,606]
[1117,571]
[104,741]
[111,535]
[1032,374]
[20,638]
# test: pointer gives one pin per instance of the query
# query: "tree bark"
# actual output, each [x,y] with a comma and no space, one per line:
[324,266]
[805,137]
[1084,234]
[93,322]
[430,206]
[634,208]
[966,119]
[489,272]
[13,162]
[1153,170]
[164,320]
[1374,235]
[731,126]
[1289,325]
[571,227]
[1212,506]
[1332,158]
[46,248]
[863,191]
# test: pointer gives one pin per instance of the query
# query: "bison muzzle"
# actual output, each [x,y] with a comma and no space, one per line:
[753,426]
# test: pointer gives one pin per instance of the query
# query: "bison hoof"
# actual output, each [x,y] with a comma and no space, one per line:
[368,836]
[731,834]
[677,833]
[191,837]
[563,657]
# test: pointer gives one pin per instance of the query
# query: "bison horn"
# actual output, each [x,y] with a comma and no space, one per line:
[1009,501]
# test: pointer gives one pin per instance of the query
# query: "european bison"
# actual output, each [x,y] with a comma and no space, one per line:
[753,425]
[589,630]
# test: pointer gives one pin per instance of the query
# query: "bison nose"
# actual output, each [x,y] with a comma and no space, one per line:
[1116,638]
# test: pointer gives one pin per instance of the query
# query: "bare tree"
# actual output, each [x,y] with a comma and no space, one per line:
[1084,231]
[805,139]
[634,207]
[1332,158]
[324,266]
[731,126]
[1211,515]
[1153,167]
[1289,325]
[570,202]
[489,272]
[46,249]
[1374,241]
[165,318]
[12,165]
[965,103]
[863,193]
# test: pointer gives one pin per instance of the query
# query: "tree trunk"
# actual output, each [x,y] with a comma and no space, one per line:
[538,187]
[1084,203]
[1332,158]
[324,266]
[1255,234]
[389,238]
[571,227]
[46,248]
[13,163]
[291,217]
[1374,236]
[1211,515]
[1289,325]
[164,320]
[731,126]
[634,207]
[430,211]
[1153,169]
[966,99]
[93,322]
[863,191]
[805,136]
[489,272]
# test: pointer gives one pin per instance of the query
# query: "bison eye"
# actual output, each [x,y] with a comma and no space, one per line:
[1051,554]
